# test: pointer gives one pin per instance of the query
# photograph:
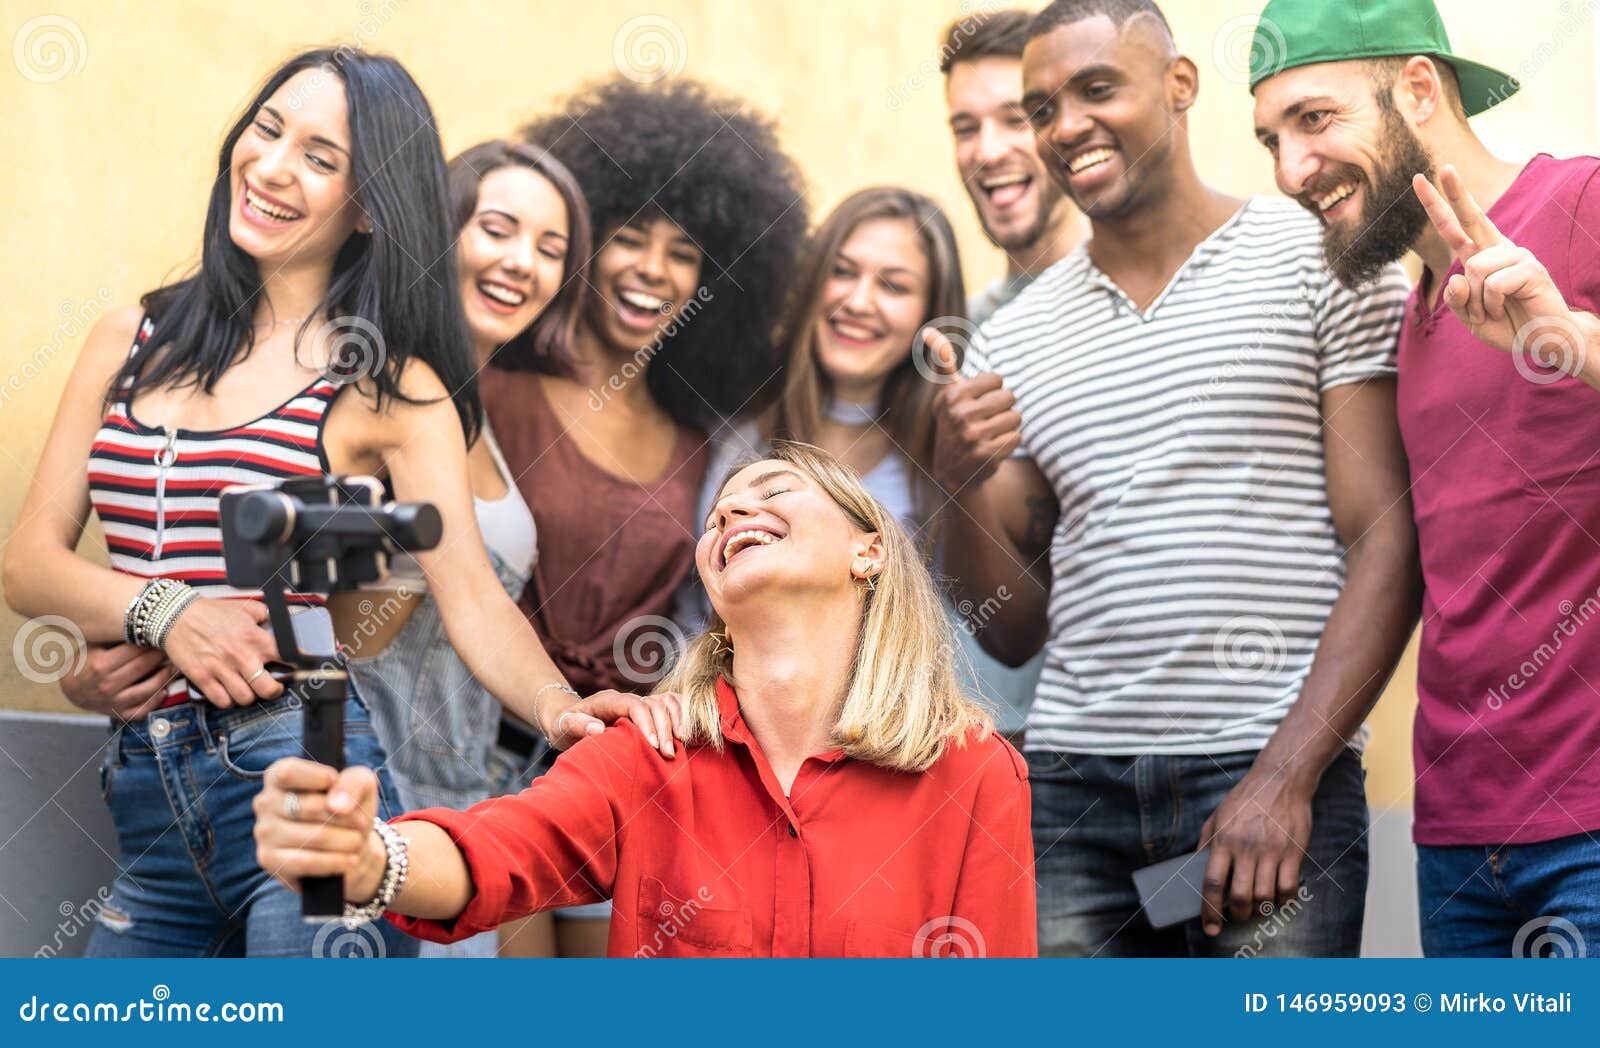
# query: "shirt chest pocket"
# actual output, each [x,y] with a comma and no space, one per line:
[870,939]
[674,924]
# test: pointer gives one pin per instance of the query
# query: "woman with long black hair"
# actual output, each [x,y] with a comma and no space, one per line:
[325,313]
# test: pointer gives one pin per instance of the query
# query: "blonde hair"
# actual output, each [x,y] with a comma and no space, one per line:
[904,705]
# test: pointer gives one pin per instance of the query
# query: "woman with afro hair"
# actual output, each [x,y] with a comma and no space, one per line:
[698,217]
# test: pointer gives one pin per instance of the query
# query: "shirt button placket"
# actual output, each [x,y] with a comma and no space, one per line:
[791,926]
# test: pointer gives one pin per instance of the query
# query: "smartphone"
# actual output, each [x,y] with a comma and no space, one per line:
[313,631]
[1171,892]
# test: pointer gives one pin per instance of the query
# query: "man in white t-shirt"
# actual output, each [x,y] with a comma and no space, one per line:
[1207,529]
[1023,213]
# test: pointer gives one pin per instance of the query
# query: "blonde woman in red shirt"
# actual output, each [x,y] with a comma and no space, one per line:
[836,793]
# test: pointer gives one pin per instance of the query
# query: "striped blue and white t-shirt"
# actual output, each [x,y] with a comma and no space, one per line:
[1195,560]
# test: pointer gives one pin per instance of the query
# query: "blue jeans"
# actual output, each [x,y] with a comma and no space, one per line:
[180,785]
[1511,900]
[1097,819]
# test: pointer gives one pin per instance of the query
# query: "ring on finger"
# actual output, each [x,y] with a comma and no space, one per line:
[291,806]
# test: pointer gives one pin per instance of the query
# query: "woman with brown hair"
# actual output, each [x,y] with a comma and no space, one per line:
[880,270]
[521,229]
[882,266]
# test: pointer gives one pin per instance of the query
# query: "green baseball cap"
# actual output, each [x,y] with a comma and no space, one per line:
[1304,32]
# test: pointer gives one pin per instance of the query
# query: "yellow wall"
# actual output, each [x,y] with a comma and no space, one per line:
[111,136]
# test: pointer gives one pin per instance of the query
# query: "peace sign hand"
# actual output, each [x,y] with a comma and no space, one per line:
[1504,295]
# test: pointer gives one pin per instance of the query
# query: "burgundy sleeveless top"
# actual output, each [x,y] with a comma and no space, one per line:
[612,553]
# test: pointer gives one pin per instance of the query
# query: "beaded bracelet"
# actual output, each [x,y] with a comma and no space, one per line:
[127,616]
[169,615]
[150,616]
[395,865]
[151,596]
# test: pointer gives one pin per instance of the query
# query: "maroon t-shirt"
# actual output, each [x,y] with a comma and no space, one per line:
[1505,474]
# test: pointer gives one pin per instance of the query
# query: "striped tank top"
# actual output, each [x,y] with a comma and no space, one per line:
[157,489]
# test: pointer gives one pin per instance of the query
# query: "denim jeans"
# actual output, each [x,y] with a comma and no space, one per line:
[180,785]
[436,722]
[1511,900]
[1097,819]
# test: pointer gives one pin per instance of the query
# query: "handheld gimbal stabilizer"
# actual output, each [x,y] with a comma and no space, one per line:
[317,534]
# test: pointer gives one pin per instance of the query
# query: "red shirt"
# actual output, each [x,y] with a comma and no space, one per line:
[1505,473]
[704,856]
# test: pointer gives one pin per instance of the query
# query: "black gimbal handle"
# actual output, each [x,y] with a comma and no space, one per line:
[287,536]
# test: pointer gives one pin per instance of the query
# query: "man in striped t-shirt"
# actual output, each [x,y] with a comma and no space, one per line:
[1207,532]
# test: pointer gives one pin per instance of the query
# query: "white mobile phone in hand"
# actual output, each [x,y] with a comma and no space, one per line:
[1172,892]
[313,632]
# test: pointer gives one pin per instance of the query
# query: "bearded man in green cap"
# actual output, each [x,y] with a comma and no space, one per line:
[1364,107]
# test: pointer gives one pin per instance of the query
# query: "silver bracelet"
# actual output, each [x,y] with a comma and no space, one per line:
[553,684]
[127,616]
[169,615]
[395,864]
[154,608]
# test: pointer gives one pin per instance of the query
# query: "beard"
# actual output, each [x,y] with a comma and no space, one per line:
[1050,197]
[1392,218]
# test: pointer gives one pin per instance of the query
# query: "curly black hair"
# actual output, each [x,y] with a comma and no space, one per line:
[710,164]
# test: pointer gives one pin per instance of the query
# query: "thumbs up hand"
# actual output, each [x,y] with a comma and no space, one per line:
[976,426]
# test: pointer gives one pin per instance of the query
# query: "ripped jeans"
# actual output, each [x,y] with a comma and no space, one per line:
[180,785]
